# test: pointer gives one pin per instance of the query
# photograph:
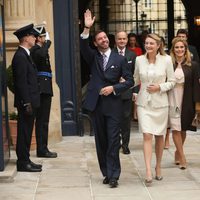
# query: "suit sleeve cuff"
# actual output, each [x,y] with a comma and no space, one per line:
[114,91]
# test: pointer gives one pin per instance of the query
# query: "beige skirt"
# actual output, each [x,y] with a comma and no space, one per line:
[152,120]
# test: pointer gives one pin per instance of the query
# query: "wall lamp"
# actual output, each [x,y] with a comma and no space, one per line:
[197,20]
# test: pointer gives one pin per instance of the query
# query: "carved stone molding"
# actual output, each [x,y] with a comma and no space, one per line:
[17,13]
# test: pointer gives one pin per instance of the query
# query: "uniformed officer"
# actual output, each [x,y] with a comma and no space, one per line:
[27,97]
[40,57]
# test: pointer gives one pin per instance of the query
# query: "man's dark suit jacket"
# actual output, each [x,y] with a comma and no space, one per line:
[193,51]
[130,56]
[25,79]
[116,67]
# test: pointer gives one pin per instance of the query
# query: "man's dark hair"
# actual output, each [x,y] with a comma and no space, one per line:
[182,31]
[96,33]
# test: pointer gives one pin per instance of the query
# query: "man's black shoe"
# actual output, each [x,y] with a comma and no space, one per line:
[47,154]
[105,180]
[113,183]
[125,150]
[34,165]
[27,168]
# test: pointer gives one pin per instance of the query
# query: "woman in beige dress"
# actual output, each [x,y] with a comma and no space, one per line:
[154,71]
[184,95]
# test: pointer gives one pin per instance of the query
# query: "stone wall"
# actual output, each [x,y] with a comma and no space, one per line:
[19,13]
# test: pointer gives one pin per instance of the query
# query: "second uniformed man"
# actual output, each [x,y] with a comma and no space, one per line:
[40,57]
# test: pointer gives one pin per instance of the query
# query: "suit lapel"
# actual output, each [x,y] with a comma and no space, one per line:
[99,65]
[128,54]
[110,60]
[99,61]
[115,50]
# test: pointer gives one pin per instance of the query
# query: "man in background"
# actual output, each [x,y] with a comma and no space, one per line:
[121,40]
[184,35]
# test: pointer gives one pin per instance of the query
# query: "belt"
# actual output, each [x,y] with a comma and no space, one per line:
[48,74]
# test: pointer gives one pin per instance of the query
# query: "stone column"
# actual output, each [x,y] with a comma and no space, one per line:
[17,13]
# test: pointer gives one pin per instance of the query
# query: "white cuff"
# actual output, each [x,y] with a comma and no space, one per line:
[84,36]
[47,36]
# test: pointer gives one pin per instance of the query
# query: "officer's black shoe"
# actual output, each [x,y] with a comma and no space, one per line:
[47,154]
[113,183]
[106,180]
[125,150]
[34,165]
[27,168]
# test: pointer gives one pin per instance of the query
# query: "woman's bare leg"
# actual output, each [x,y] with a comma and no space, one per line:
[159,144]
[147,144]
[167,139]
[183,136]
[177,138]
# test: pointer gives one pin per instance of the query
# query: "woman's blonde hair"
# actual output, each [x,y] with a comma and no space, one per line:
[187,60]
[159,41]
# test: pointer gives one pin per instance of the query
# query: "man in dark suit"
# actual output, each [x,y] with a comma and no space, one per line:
[194,54]
[103,98]
[40,55]
[121,40]
[27,97]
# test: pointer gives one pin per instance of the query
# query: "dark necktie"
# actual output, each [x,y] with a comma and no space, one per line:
[121,53]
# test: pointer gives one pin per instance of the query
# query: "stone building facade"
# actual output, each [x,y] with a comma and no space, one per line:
[19,13]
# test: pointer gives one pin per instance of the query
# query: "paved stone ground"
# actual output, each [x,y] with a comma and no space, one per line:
[75,174]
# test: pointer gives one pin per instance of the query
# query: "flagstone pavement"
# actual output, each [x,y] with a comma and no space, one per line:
[75,174]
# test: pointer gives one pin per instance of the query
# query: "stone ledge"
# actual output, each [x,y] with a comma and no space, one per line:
[7,176]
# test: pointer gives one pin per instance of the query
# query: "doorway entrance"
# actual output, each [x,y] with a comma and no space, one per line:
[4,136]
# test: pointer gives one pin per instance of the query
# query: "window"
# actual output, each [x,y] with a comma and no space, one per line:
[147,3]
[153,27]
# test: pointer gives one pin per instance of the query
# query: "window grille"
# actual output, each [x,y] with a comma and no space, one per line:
[152,16]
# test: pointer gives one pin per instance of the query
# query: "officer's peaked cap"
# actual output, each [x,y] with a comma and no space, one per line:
[25,31]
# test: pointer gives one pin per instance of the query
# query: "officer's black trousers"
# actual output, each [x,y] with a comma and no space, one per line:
[126,121]
[42,123]
[24,134]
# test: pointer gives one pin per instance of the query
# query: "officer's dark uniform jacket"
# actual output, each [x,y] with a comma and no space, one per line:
[25,81]
[41,59]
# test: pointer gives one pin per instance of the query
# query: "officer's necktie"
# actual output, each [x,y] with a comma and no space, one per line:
[104,61]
